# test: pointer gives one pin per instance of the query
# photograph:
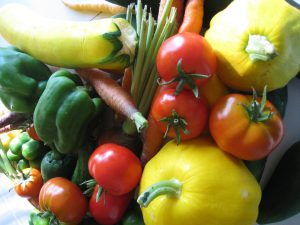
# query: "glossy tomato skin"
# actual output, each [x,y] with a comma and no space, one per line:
[32,133]
[196,53]
[193,110]
[31,186]
[115,168]
[110,209]
[235,133]
[64,199]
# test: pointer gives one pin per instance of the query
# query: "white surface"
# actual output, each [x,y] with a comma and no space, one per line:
[15,210]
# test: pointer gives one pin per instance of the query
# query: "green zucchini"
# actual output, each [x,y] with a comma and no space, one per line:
[107,43]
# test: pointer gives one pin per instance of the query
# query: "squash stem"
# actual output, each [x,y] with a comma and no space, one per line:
[170,188]
[260,48]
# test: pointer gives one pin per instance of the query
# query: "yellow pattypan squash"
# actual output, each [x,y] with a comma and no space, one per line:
[196,183]
[257,43]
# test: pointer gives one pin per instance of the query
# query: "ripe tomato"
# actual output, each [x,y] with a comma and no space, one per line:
[110,208]
[64,200]
[32,133]
[115,168]
[246,135]
[30,184]
[181,116]
[195,52]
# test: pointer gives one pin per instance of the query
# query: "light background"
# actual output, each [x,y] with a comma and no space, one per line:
[15,210]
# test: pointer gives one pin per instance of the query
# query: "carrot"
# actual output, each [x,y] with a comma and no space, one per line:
[94,6]
[12,120]
[127,78]
[152,140]
[179,4]
[114,95]
[193,17]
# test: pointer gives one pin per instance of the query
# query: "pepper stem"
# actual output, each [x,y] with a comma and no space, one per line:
[256,110]
[170,188]
[260,48]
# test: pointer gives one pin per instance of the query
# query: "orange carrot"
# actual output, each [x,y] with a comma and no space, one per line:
[114,95]
[127,78]
[179,4]
[152,140]
[193,17]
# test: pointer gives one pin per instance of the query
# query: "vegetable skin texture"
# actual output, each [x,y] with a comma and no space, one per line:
[114,95]
[193,17]
[107,43]
[216,187]
[229,35]
[94,6]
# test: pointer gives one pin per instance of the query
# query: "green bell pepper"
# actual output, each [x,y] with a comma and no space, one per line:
[22,80]
[64,111]
[55,164]
[22,164]
[133,215]
[24,146]
[36,218]
[13,157]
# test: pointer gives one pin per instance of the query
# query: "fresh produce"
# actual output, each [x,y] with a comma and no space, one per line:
[13,121]
[115,168]
[193,17]
[175,63]
[246,126]
[22,79]
[152,33]
[94,6]
[133,215]
[181,116]
[281,198]
[253,47]
[196,183]
[23,164]
[63,112]
[27,147]
[55,164]
[62,201]
[178,4]
[32,133]
[108,209]
[107,43]
[29,183]
[7,137]
[114,95]
[36,218]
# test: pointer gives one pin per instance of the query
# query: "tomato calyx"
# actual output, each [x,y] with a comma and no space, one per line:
[22,178]
[177,123]
[53,220]
[256,110]
[91,185]
[184,78]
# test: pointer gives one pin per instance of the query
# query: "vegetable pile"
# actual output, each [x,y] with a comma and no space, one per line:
[150,116]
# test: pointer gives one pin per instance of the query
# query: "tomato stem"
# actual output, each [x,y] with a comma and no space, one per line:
[184,78]
[176,122]
[256,110]
[170,188]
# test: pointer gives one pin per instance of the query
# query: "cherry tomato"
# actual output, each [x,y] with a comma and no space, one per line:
[246,135]
[110,208]
[30,183]
[115,168]
[195,52]
[32,133]
[64,200]
[181,116]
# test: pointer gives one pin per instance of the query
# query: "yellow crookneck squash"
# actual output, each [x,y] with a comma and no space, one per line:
[257,43]
[196,183]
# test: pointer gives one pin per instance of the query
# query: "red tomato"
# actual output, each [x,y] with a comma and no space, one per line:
[235,132]
[32,133]
[195,52]
[115,168]
[192,113]
[64,199]
[110,208]
[30,185]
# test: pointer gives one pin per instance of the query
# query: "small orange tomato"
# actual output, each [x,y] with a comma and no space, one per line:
[30,183]
[32,133]
[246,126]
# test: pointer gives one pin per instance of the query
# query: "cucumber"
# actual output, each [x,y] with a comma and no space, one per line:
[107,43]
